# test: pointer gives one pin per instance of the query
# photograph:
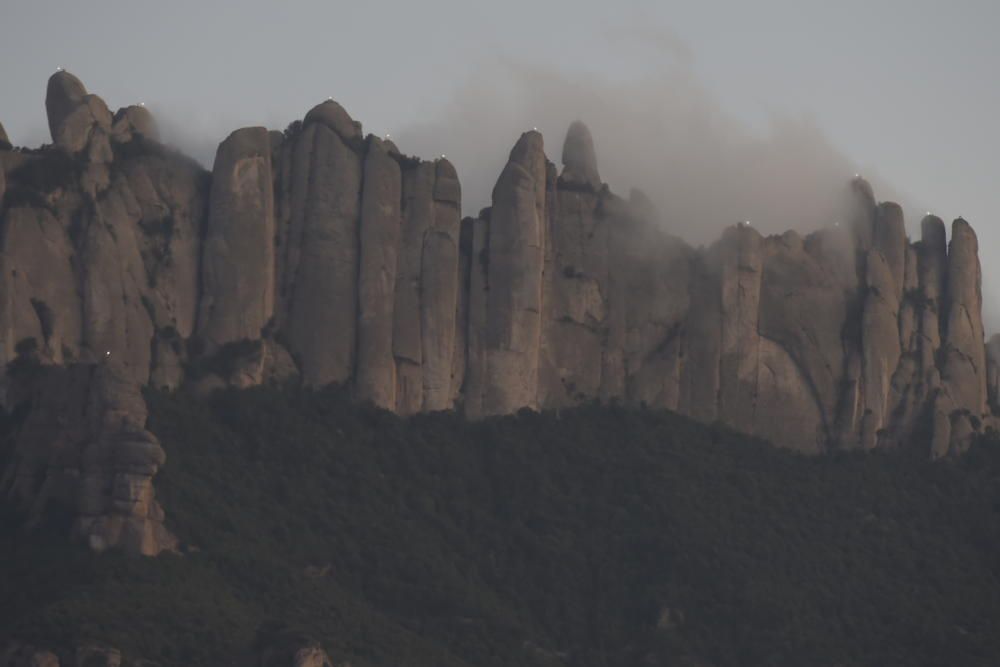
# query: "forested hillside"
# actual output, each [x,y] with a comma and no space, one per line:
[594,536]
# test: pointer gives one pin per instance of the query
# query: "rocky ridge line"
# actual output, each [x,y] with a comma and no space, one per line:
[321,255]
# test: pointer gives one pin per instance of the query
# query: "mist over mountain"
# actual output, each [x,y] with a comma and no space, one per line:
[660,131]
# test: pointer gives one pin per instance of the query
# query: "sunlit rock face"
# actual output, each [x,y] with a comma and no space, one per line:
[320,255]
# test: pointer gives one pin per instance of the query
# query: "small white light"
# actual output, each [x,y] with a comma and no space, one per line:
[142,104]
[535,129]
[108,353]
[60,69]
[388,136]
[329,99]
[928,212]
[443,156]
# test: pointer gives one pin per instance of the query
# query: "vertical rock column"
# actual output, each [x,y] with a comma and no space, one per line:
[238,256]
[283,156]
[576,286]
[407,335]
[323,245]
[862,213]
[964,372]
[439,288]
[460,355]
[375,379]
[884,370]
[932,270]
[427,288]
[514,298]
[580,159]
[909,393]
[742,266]
[851,404]
[80,124]
[474,387]
[880,348]
[889,238]
[961,403]
[77,120]
[117,504]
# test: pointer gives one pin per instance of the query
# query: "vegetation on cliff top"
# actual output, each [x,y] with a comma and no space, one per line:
[593,537]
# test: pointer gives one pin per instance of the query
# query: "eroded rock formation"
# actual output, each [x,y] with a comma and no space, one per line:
[327,256]
[83,452]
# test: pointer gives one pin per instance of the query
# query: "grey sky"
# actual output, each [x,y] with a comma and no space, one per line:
[904,89]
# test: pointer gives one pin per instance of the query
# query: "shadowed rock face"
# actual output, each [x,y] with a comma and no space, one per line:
[85,439]
[579,157]
[889,239]
[319,255]
[993,372]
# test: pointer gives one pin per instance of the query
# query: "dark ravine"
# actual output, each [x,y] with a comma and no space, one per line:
[320,255]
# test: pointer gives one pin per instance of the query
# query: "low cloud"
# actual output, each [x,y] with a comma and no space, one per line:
[662,132]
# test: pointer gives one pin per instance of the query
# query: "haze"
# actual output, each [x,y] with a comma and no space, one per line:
[719,111]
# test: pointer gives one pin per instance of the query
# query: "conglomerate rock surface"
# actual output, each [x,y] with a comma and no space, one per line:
[322,255]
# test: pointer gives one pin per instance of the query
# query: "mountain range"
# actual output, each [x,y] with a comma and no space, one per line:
[319,256]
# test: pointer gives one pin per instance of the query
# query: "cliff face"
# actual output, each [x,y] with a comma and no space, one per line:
[850,337]
[328,256]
